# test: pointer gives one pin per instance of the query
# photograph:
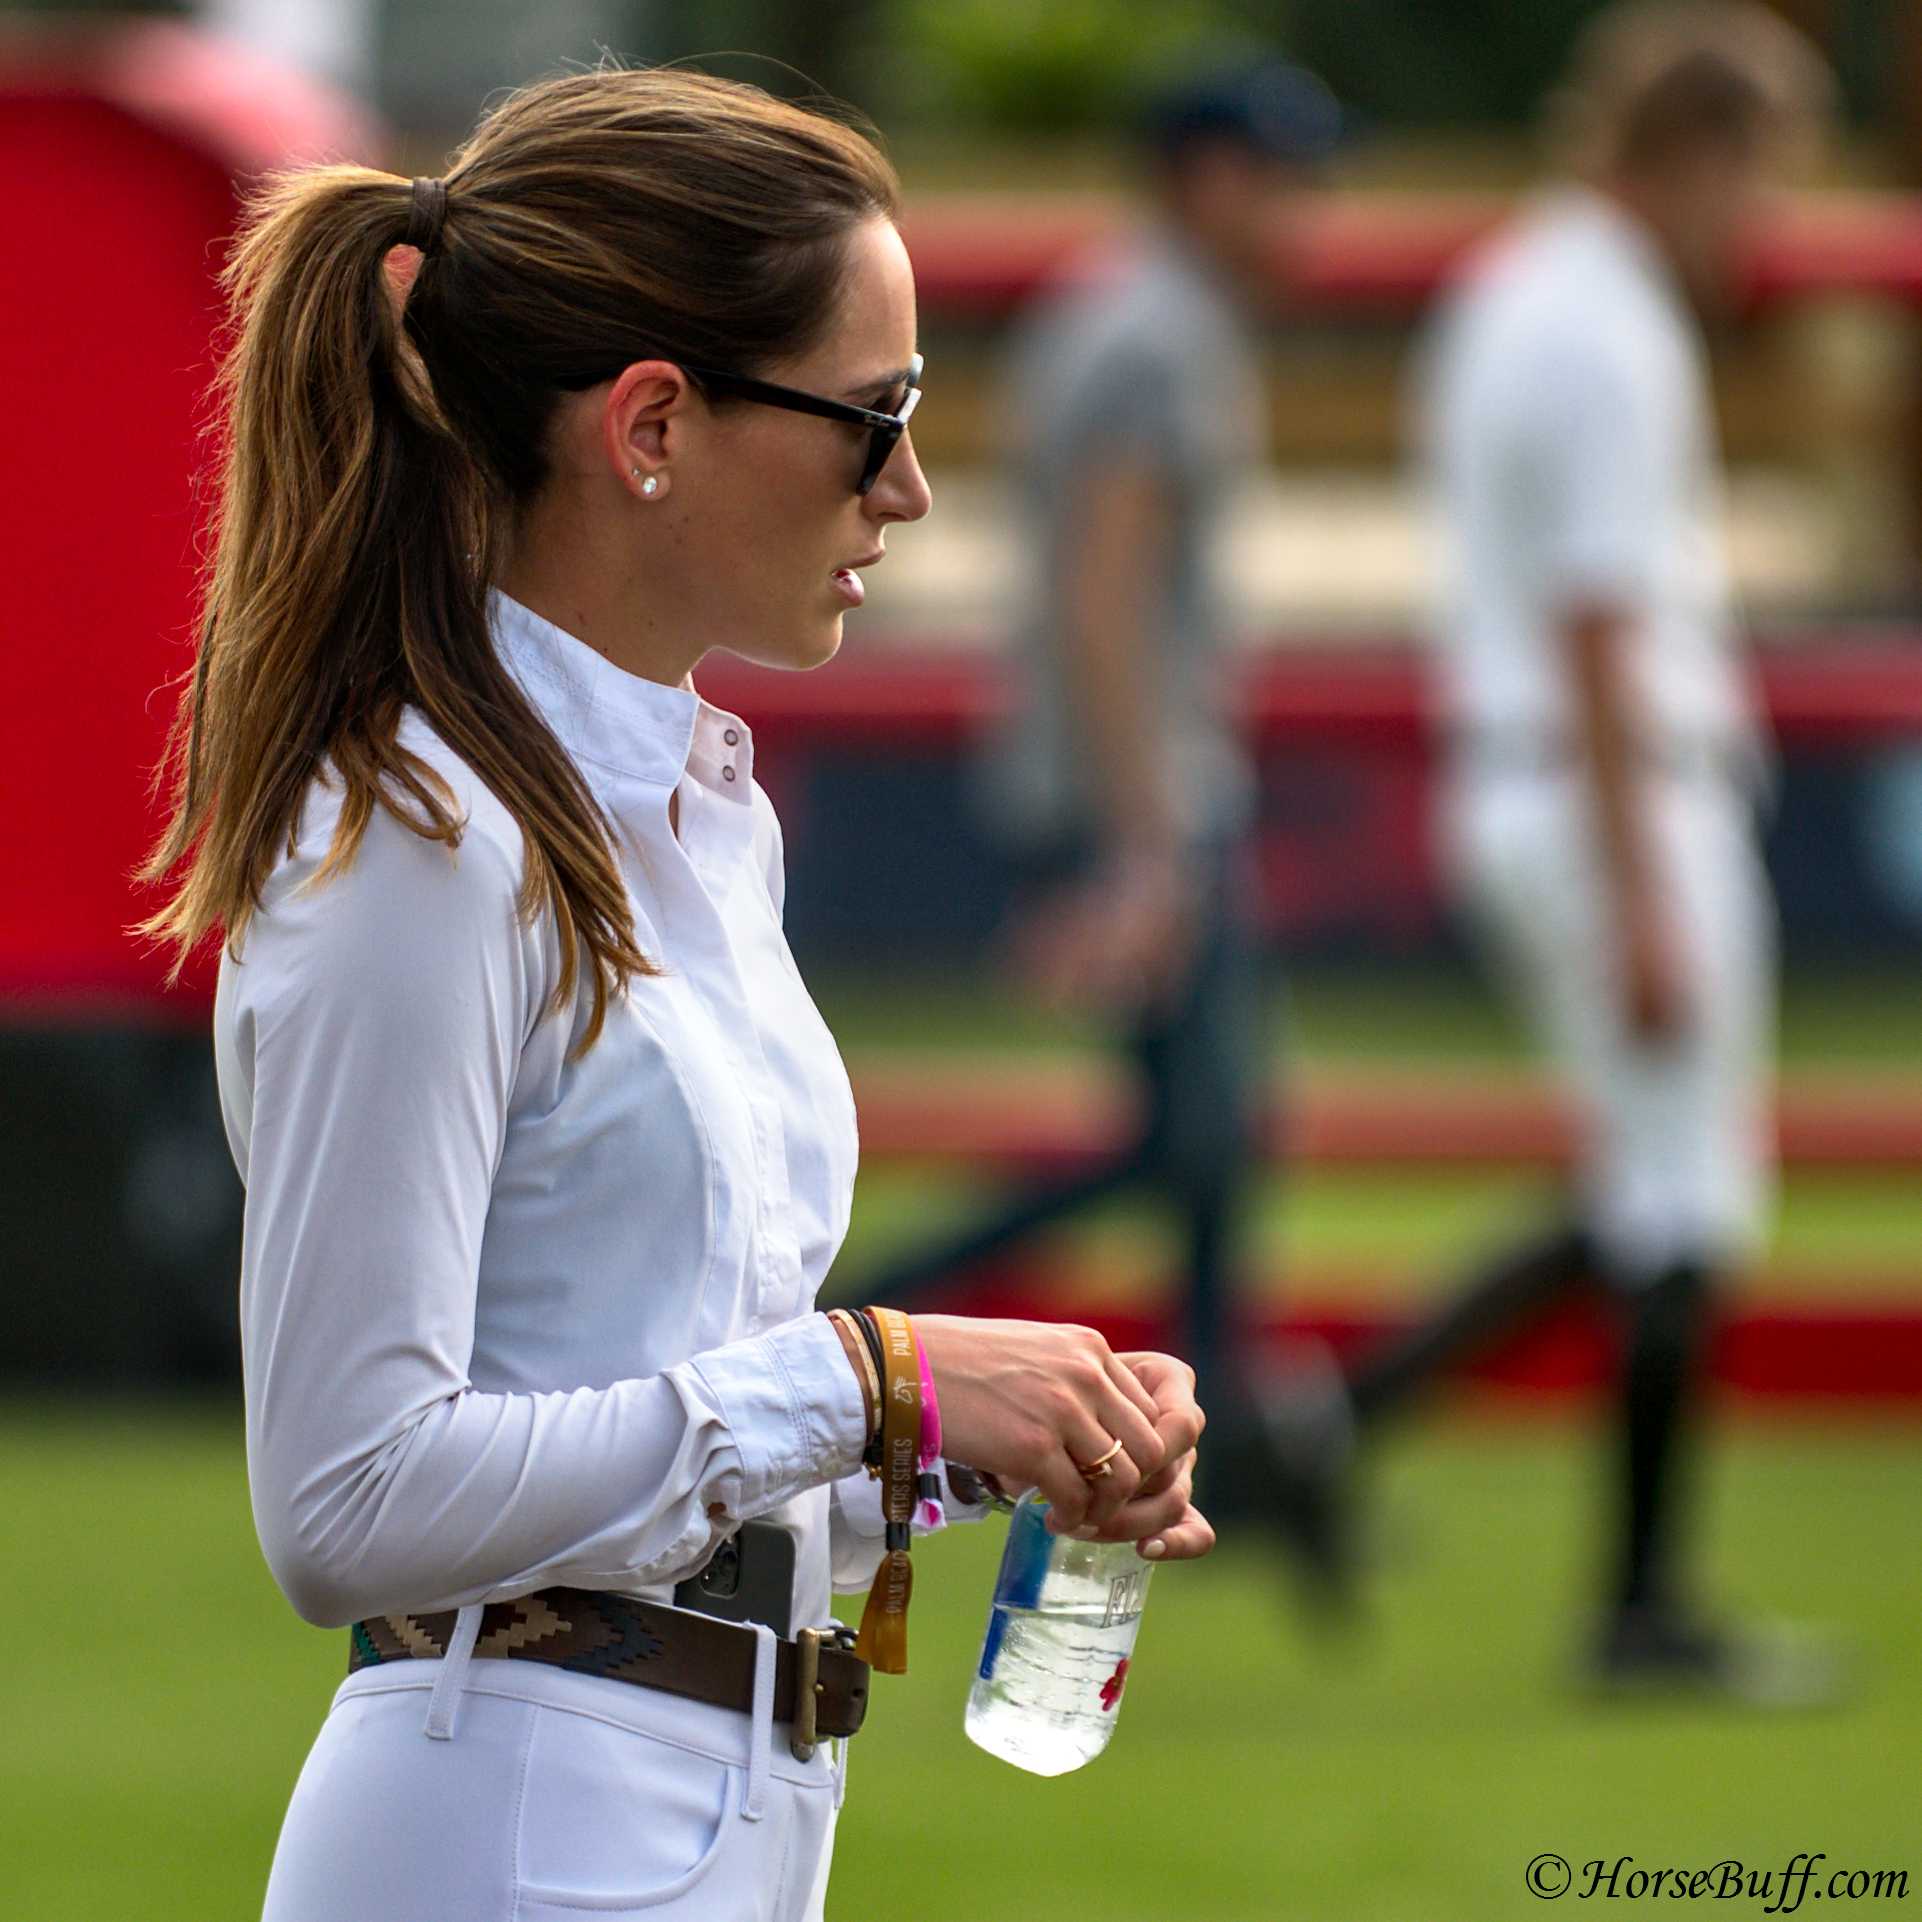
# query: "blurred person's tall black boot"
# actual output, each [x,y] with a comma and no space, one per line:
[1659,1371]
[1276,1459]
[1653,1641]
[1287,1455]
[1649,1640]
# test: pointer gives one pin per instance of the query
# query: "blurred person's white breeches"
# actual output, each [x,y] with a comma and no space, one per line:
[1676,1155]
[553,1795]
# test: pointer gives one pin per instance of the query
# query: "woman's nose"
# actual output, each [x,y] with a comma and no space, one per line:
[900,491]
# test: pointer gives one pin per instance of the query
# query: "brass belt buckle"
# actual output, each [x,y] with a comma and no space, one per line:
[807,1684]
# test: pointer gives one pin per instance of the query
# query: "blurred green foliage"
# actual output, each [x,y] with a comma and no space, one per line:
[1046,66]
[1467,62]
[1079,63]
[1072,63]
[1437,61]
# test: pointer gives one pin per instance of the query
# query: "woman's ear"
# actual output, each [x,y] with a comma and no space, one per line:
[642,425]
[398,268]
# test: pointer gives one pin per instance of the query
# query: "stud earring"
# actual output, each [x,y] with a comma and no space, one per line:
[650,484]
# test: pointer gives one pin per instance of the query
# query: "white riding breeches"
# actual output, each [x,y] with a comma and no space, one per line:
[1676,1161]
[545,1795]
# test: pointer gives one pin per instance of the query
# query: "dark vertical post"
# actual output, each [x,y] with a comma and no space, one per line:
[1905,29]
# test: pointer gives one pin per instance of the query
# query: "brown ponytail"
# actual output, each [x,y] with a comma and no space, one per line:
[374,463]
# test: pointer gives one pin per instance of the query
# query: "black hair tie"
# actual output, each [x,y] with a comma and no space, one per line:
[426,209]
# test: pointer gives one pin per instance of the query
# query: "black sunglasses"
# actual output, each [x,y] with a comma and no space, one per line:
[884,430]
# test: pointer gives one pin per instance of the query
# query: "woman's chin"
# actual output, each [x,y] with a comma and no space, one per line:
[811,646]
[823,642]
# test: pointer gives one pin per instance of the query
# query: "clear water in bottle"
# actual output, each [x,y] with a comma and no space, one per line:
[1055,1660]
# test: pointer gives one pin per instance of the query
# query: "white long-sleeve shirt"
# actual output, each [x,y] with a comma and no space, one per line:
[1572,457]
[510,1317]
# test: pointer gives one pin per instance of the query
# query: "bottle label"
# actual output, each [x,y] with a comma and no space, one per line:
[1024,1561]
[991,1644]
[1125,1596]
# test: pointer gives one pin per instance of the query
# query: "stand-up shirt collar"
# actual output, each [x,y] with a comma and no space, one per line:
[610,718]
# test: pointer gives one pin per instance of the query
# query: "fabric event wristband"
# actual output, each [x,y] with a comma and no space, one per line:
[930,1513]
[883,1638]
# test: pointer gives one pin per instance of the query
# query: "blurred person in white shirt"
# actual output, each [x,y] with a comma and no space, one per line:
[1604,759]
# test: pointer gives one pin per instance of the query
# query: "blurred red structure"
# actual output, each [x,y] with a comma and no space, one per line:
[1853,1358]
[979,256]
[124,147]
[121,149]
[1824,690]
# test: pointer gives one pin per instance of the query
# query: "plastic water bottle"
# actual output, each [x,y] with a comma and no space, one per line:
[1048,1688]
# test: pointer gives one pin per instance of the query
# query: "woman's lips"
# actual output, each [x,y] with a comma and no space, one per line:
[853,589]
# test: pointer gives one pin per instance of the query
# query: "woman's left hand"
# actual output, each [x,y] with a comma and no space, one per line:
[1160,1518]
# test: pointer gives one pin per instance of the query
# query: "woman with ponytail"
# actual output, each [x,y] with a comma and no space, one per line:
[546,1148]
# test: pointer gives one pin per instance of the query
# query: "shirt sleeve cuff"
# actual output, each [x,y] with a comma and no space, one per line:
[859,1499]
[793,1407]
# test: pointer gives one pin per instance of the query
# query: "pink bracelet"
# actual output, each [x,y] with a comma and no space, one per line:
[931,1514]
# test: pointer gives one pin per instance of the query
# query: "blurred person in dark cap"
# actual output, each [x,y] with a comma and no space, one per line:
[1604,761]
[1119,788]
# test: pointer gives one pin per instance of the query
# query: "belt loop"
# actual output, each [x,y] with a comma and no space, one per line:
[760,1741]
[841,1636]
[453,1673]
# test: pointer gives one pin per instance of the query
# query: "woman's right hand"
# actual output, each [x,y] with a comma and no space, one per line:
[1032,1402]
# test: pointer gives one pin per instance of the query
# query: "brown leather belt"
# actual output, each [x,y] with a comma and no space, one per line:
[625,1640]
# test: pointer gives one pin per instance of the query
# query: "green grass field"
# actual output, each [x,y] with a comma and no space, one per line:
[161,1696]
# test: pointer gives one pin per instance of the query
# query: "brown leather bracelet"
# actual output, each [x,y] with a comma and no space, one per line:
[625,1640]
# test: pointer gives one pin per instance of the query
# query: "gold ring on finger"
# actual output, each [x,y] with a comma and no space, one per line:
[1097,1470]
